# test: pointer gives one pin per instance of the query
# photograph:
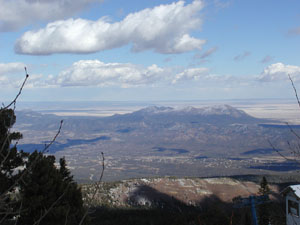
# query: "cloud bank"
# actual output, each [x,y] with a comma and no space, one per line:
[8,68]
[280,72]
[163,29]
[7,72]
[97,73]
[18,13]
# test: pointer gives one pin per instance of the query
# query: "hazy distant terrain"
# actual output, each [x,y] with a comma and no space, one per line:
[162,141]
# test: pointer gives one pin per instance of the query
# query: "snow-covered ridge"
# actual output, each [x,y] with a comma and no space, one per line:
[189,110]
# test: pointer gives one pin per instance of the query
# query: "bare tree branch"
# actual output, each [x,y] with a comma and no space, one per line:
[54,138]
[5,216]
[283,156]
[97,184]
[66,220]
[5,153]
[295,90]
[19,212]
[293,131]
[20,91]
[295,152]
[7,210]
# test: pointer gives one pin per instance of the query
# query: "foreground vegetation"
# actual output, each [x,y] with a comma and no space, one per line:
[33,189]
[160,208]
[212,212]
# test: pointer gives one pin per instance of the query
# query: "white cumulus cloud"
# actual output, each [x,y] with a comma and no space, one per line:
[279,72]
[192,74]
[10,74]
[164,29]
[8,68]
[97,73]
[15,14]
[204,76]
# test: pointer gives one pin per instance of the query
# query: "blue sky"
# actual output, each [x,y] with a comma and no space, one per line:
[149,50]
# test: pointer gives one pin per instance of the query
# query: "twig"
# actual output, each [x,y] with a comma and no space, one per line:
[67,214]
[4,217]
[102,172]
[292,130]
[25,171]
[19,212]
[295,90]
[54,138]
[283,156]
[6,140]
[293,151]
[20,91]
[97,187]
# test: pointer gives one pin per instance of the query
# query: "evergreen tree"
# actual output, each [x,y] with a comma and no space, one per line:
[10,160]
[49,194]
[34,191]
[264,209]
[40,192]
[264,187]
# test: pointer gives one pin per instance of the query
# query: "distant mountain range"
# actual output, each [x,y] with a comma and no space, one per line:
[218,110]
[160,140]
[215,114]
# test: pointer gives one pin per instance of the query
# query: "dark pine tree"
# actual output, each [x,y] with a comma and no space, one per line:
[264,187]
[264,209]
[10,160]
[49,194]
